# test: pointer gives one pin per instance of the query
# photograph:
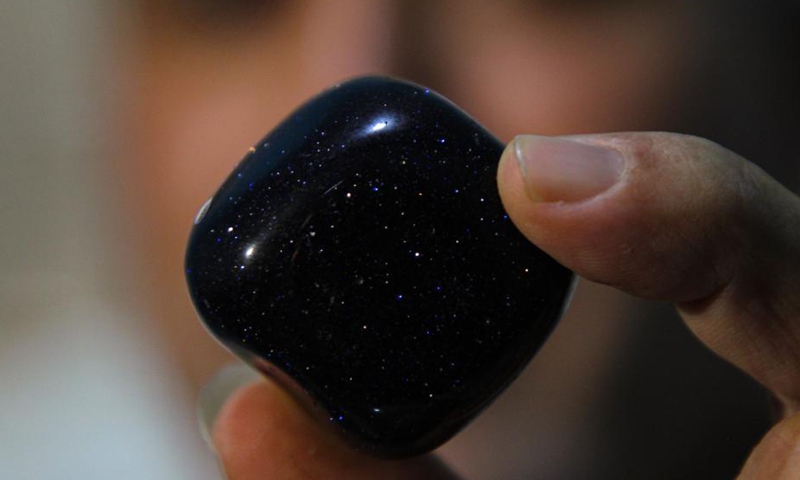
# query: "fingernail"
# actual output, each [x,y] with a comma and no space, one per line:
[216,392]
[562,170]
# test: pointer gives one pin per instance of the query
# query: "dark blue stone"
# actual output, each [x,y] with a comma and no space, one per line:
[360,255]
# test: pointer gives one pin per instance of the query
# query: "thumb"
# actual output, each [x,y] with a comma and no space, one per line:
[261,432]
[676,218]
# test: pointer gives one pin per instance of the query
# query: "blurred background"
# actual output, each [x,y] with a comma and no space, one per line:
[119,118]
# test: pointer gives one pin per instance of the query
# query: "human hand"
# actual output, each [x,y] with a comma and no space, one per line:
[660,216]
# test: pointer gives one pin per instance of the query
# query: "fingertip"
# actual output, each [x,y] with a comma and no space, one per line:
[643,212]
[216,393]
[564,229]
[239,431]
[248,405]
[262,432]
[776,456]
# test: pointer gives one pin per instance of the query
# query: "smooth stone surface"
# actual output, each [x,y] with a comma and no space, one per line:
[360,254]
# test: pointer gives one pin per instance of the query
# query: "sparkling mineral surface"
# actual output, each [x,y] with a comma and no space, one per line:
[360,255]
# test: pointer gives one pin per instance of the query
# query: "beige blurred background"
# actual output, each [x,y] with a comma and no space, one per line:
[119,118]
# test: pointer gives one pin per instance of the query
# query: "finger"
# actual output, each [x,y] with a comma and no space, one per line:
[777,456]
[261,432]
[677,218]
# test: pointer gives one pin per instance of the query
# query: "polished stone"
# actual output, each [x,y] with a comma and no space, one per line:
[360,255]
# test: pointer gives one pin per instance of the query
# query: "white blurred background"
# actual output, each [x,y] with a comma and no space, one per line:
[86,391]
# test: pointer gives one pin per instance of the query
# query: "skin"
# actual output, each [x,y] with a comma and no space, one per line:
[732,278]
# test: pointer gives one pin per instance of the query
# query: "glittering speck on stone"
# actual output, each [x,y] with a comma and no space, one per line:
[360,255]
